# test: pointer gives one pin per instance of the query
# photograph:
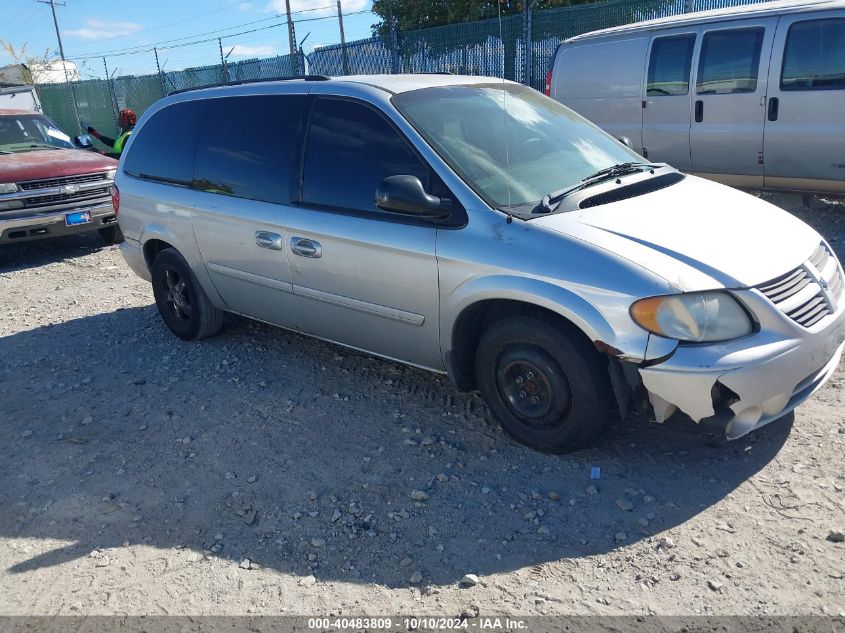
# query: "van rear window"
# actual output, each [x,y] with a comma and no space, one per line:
[669,65]
[814,57]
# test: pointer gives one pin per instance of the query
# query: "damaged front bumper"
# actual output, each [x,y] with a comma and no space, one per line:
[746,383]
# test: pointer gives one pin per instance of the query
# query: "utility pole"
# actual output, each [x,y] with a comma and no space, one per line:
[342,40]
[52,4]
[292,40]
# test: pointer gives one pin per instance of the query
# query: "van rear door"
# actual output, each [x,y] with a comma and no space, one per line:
[666,98]
[726,137]
[805,120]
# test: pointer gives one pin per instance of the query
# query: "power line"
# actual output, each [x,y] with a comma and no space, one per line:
[158,45]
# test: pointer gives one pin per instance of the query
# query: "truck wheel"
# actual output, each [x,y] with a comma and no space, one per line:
[181,301]
[111,234]
[543,383]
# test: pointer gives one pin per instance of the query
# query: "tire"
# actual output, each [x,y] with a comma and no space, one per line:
[182,303]
[111,234]
[543,383]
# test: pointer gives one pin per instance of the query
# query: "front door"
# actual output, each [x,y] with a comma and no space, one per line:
[805,122]
[726,138]
[666,102]
[245,170]
[364,277]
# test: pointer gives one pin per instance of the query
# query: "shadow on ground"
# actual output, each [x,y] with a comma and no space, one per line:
[266,445]
[23,255]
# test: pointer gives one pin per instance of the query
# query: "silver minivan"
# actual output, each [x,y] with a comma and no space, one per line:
[477,228]
[751,96]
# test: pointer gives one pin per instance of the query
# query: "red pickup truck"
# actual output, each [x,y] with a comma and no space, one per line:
[50,184]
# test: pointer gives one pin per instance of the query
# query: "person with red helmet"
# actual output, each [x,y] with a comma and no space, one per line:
[126,119]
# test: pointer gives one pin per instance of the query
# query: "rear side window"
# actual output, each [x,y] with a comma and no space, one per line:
[669,65]
[248,146]
[351,149]
[814,56]
[163,149]
[729,61]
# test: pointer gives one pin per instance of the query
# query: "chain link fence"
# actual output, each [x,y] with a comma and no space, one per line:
[517,47]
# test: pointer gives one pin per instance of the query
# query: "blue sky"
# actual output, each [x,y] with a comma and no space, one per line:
[91,28]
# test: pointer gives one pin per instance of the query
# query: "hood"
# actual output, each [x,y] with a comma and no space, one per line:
[52,163]
[696,234]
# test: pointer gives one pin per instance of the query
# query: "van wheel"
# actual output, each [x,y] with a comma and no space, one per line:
[544,384]
[181,301]
[111,234]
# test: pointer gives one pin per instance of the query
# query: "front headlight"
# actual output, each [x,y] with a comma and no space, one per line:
[696,316]
[8,187]
[110,174]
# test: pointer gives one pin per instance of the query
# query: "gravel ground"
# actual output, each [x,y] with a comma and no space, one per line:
[263,472]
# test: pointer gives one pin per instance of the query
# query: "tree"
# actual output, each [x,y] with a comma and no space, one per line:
[27,61]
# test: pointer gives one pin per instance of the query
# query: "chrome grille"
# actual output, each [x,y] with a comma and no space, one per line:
[65,197]
[57,182]
[810,292]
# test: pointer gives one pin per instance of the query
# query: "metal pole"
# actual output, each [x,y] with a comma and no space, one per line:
[689,6]
[292,40]
[52,4]
[526,44]
[394,46]
[160,74]
[342,40]
[223,65]
[110,87]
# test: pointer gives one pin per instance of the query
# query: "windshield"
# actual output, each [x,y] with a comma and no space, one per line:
[510,143]
[30,132]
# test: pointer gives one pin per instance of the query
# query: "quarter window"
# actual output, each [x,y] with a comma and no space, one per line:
[248,146]
[163,149]
[814,57]
[729,61]
[351,149]
[669,65]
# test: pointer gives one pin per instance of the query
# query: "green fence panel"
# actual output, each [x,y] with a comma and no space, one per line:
[489,47]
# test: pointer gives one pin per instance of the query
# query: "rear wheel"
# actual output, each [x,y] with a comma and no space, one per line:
[181,301]
[544,384]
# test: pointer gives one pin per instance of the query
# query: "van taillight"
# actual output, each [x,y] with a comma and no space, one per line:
[115,198]
[547,90]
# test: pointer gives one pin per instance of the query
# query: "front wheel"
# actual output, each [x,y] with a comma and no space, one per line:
[543,383]
[181,301]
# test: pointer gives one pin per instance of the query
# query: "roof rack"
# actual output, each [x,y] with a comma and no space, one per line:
[253,81]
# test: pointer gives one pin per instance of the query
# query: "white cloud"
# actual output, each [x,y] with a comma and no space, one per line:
[101,29]
[316,8]
[244,50]
[244,6]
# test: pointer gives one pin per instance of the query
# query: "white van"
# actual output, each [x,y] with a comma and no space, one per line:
[750,96]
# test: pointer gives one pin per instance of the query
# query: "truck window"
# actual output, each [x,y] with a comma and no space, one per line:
[814,56]
[729,61]
[669,65]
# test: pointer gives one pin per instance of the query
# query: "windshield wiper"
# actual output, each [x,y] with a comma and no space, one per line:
[550,201]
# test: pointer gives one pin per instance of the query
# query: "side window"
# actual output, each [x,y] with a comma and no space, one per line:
[163,149]
[351,149]
[669,65]
[247,146]
[814,56]
[729,61]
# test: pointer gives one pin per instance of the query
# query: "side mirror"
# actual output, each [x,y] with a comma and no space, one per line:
[83,141]
[626,142]
[405,194]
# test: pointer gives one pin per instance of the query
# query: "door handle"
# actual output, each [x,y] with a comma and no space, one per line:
[305,247]
[699,111]
[265,239]
[774,106]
